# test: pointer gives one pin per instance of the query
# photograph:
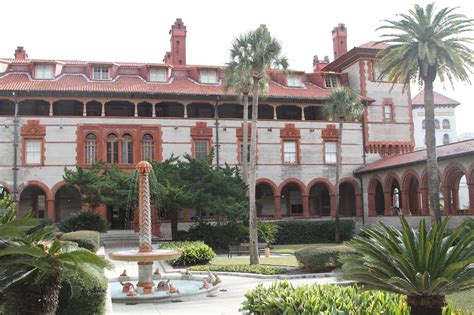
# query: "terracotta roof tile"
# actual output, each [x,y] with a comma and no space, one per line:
[374,45]
[444,151]
[439,99]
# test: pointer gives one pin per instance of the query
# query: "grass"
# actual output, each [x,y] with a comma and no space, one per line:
[290,249]
[263,270]
[463,299]
[289,261]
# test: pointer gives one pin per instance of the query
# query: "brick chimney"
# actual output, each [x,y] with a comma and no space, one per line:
[177,56]
[20,53]
[319,64]
[339,40]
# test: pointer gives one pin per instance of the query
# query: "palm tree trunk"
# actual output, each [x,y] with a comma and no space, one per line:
[245,141]
[252,179]
[431,161]
[338,167]
[426,305]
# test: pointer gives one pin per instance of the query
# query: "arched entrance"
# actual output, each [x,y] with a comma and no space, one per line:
[33,199]
[376,197]
[319,200]
[392,195]
[347,200]
[291,199]
[67,201]
[265,199]
[411,194]
[454,186]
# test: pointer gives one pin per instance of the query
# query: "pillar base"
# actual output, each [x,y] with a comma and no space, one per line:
[145,274]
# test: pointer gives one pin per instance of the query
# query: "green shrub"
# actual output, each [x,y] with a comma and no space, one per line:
[84,220]
[192,253]
[321,258]
[310,232]
[263,270]
[87,295]
[282,298]
[85,239]
[218,236]
[267,232]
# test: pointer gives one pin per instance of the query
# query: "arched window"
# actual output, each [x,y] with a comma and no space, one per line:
[112,149]
[436,124]
[91,148]
[446,124]
[445,138]
[127,149]
[423,124]
[147,147]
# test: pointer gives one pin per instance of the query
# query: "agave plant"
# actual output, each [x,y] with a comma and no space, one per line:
[32,264]
[424,264]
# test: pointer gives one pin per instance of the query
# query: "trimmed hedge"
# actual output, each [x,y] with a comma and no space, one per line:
[84,220]
[282,298]
[310,232]
[87,296]
[321,258]
[85,239]
[218,236]
[192,253]
[263,270]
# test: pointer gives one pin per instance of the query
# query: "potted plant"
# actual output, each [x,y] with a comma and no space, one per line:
[267,232]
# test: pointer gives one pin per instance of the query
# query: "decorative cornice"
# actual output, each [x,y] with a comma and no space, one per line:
[201,131]
[290,132]
[33,129]
[330,133]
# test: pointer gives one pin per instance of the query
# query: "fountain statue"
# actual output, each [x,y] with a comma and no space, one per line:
[144,291]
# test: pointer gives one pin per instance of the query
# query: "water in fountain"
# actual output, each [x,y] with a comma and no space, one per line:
[145,255]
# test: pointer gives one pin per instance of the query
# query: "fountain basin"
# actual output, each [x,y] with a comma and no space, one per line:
[151,256]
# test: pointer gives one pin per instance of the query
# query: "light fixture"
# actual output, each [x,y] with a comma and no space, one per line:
[311,130]
[60,126]
[225,128]
[6,126]
[175,127]
[269,129]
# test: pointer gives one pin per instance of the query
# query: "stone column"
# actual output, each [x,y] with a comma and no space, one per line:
[405,202]
[185,110]
[387,197]
[275,116]
[302,113]
[277,207]
[51,108]
[50,213]
[332,204]
[470,188]
[305,206]
[425,204]
[358,206]
[447,199]
[186,215]
[103,110]
[371,204]
[455,201]
[84,109]
[153,110]
[135,113]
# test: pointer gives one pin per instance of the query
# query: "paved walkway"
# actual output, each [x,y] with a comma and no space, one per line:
[228,301]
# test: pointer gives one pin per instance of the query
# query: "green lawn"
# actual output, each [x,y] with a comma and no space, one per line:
[290,249]
[463,299]
[289,261]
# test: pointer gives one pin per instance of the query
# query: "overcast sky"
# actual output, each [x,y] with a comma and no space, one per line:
[107,30]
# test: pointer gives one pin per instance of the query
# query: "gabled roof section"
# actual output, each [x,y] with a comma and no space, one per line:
[367,50]
[452,150]
[439,99]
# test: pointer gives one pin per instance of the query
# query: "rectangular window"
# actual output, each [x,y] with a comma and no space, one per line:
[201,149]
[330,81]
[242,152]
[148,151]
[294,80]
[289,152]
[387,112]
[33,151]
[43,71]
[41,206]
[91,152]
[208,76]
[100,73]
[330,152]
[158,74]
[127,152]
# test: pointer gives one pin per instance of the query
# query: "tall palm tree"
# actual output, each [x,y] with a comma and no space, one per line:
[424,264]
[258,52]
[343,105]
[423,45]
[239,77]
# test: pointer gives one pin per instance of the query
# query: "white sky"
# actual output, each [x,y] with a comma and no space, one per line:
[107,30]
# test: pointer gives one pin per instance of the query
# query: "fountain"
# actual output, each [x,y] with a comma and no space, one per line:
[168,288]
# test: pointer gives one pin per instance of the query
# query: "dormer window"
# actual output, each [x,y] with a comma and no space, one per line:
[294,80]
[158,75]
[44,71]
[100,73]
[208,76]
[330,81]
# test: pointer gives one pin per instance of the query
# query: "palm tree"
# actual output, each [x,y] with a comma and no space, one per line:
[238,77]
[343,104]
[257,53]
[32,265]
[424,45]
[423,264]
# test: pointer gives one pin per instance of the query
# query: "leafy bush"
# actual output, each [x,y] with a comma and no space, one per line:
[218,236]
[309,232]
[263,270]
[192,253]
[321,258]
[87,295]
[84,220]
[282,298]
[267,232]
[84,239]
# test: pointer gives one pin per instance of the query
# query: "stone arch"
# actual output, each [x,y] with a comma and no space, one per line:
[265,191]
[67,200]
[349,197]
[392,193]
[376,200]
[452,179]
[292,192]
[321,180]
[35,196]
[321,195]
[270,183]
[412,193]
